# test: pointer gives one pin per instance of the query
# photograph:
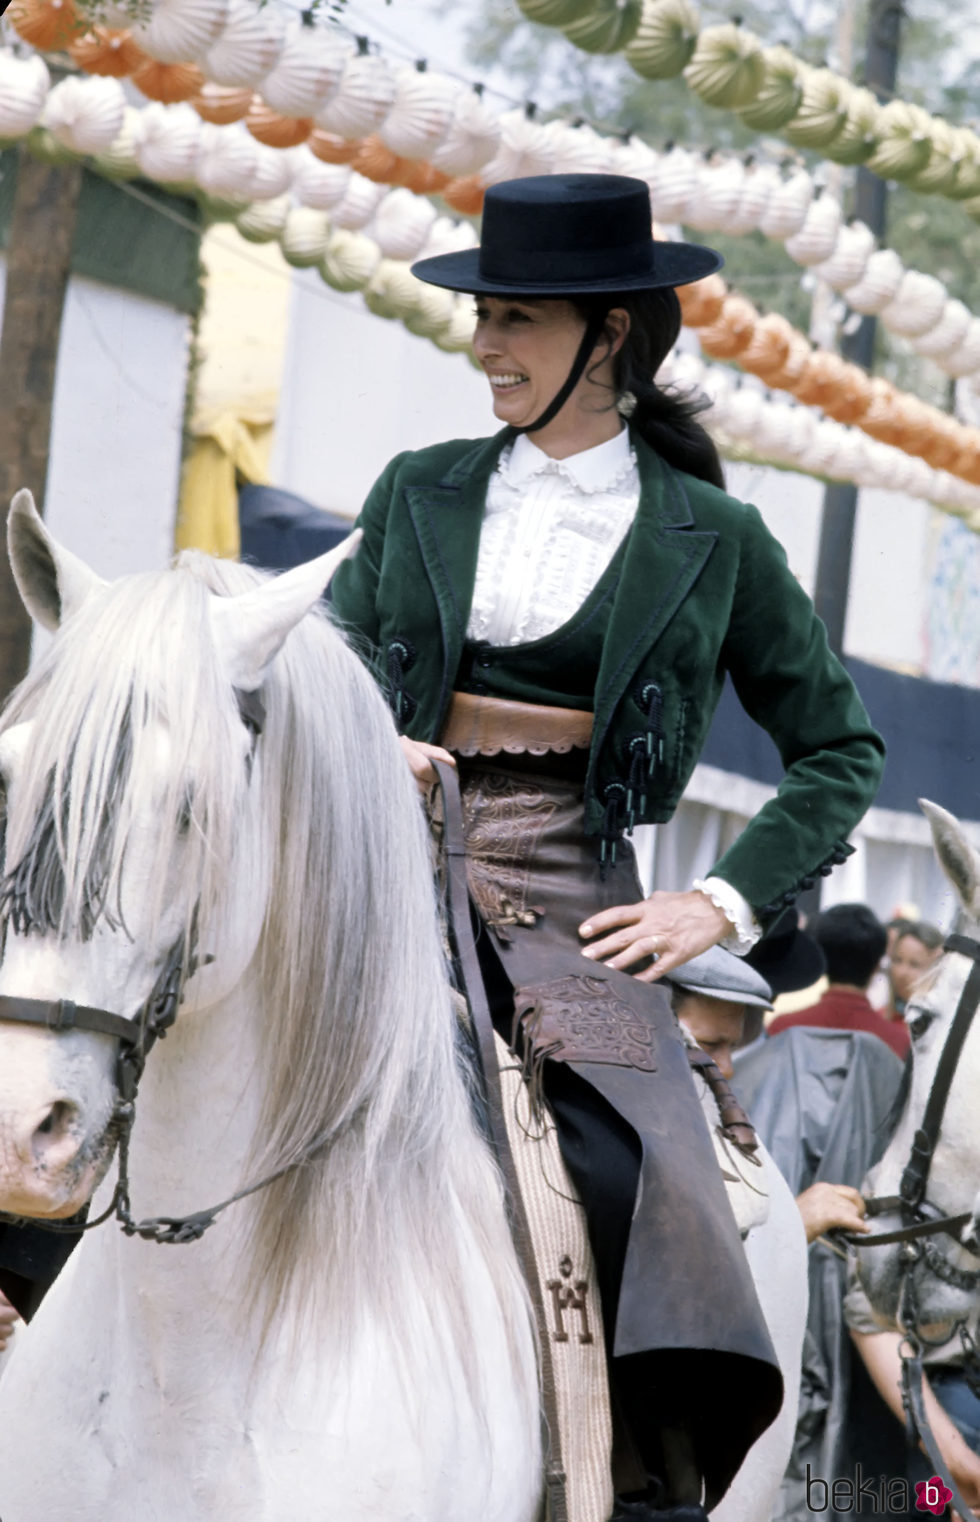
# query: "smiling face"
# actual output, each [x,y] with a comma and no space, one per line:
[527,348]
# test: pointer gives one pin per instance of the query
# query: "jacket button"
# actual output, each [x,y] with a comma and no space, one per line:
[479,689]
[484,662]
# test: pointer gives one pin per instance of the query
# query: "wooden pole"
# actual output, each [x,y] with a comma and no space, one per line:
[39,247]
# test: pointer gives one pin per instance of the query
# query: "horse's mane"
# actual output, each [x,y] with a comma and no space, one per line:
[359,1040]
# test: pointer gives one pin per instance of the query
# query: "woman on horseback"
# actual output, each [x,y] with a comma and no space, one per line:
[554,609]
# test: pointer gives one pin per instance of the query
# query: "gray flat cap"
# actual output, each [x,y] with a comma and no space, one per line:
[721,975]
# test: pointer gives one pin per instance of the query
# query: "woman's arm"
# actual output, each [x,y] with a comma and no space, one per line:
[881,1357]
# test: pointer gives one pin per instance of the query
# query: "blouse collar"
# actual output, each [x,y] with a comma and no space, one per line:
[591,470]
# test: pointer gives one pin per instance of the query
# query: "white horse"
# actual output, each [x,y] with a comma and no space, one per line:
[955,1166]
[360,1348]
[354,1341]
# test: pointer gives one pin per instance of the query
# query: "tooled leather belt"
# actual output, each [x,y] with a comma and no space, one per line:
[483,726]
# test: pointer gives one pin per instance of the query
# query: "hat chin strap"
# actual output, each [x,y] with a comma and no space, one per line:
[590,338]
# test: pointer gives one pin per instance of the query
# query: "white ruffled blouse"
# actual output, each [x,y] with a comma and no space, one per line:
[550,529]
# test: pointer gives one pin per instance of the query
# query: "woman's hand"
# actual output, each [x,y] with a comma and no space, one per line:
[825,1207]
[419,757]
[672,927]
[8,1320]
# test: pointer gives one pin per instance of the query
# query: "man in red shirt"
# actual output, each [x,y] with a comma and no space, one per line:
[853,942]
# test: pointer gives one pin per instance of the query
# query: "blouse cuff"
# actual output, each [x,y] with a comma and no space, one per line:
[736,909]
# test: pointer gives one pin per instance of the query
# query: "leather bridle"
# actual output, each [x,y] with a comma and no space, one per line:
[136,1039]
[919,1218]
[921,1221]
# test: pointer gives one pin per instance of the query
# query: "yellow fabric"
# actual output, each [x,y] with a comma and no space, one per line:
[228,449]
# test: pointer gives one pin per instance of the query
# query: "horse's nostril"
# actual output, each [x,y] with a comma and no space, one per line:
[57,1120]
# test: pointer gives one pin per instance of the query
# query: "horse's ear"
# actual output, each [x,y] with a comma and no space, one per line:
[956,855]
[51,580]
[250,628]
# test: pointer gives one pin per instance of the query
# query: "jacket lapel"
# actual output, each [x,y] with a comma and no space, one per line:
[446,518]
[665,555]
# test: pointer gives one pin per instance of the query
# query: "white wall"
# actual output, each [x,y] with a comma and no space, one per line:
[116,428]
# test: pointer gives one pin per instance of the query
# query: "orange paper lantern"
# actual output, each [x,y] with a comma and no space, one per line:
[221,104]
[422,177]
[375,160]
[46,24]
[766,352]
[168,82]
[732,331]
[820,379]
[465,194]
[104,51]
[332,149]
[276,131]
[702,301]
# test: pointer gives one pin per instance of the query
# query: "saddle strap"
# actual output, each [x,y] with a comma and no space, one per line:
[471,980]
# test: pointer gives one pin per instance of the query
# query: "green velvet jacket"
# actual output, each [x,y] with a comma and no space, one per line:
[703,589]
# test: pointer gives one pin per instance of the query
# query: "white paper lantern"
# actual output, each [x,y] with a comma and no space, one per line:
[773,431]
[85,114]
[457,338]
[849,260]
[578,150]
[717,192]
[916,306]
[317,184]
[744,407]
[816,238]
[633,158]
[179,30]
[433,313]
[947,334]
[525,149]
[787,206]
[672,184]
[272,172]
[448,237]
[169,140]
[121,159]
[401,224]
[758,183]
[349,261]
[361,100]
[308,70]
[24,86]
[360,201]
[226,161]
[421,113]
[263,221]
[881,279]
[472,138]
[965,358]
[248,47]
[305,237]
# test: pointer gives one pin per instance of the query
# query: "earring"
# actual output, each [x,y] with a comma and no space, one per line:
[626,404]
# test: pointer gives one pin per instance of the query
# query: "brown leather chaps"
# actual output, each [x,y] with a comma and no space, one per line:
[690,1354]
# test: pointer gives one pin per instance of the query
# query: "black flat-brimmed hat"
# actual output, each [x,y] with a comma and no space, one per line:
[568,234]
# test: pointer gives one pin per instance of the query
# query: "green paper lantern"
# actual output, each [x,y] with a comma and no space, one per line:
[727,68]
[608,29]
[904,141]
[781,93]
[555,12]
[857,138]
[664,40]
[822,111]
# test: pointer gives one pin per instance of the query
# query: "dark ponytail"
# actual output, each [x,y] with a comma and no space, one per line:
[665,420]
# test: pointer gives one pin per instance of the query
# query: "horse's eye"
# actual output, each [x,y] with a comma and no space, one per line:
[918,1021]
